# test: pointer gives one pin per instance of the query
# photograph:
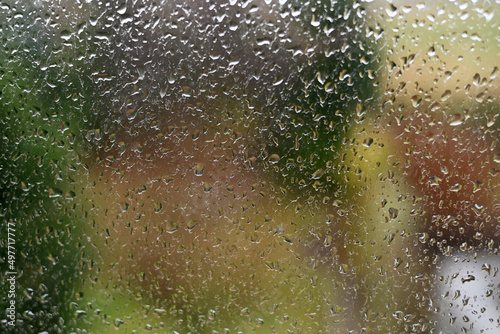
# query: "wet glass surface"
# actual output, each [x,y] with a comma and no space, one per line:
[249,166]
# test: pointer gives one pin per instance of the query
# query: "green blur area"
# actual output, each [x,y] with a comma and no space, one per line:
[44,101]
[335,88]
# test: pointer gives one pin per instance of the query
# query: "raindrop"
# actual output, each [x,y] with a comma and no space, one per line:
[199,169]
[66,35]
[171,78]
[432,51]
[468,278]
[391,10]
[317,174]
[367,142]
[416,100]
[274,158]
[122,9]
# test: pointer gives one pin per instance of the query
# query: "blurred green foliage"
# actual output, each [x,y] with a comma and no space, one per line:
[310,123]
[44,101]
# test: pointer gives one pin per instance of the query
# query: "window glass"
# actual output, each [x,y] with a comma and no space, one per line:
[249,166]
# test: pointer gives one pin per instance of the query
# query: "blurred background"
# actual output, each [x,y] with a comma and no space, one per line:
[250,166]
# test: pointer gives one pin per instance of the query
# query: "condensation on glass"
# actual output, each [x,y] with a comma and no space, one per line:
[249,166]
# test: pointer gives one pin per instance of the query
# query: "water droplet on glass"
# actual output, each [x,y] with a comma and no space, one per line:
[274,158]
[431,51]
[391,10]
[122,9]
[199,169]
[66,35]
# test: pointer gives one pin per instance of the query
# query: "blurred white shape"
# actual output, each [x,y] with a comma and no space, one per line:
[468,294]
